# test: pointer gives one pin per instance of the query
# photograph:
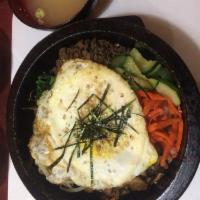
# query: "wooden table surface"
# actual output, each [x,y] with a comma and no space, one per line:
[5,70]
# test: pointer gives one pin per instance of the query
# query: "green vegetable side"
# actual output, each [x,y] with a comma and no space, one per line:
[147,75]
[43,82]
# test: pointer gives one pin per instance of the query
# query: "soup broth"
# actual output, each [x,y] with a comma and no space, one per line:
[53,13]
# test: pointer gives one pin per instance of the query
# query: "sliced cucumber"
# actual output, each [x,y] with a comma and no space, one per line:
[143,83]
[166,90]
[161,73]
[119,70]
[130,66]
[164,74]
[171,85]
[130,79]
[135,86]
[126,63]
[154,72]
[118,61]
[144,64]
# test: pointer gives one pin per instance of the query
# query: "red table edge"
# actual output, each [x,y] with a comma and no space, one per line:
[5,73]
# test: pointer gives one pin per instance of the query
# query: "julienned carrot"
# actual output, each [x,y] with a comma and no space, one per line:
[161,125]
[180,135]
[147,107]
[155,113]
[173,109]
[155,96]
[158,134]
[164,123]
[141,93]
[165,155]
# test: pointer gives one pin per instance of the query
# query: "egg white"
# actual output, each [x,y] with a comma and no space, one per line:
[113,166]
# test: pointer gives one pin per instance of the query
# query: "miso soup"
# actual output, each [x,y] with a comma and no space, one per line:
[53,12]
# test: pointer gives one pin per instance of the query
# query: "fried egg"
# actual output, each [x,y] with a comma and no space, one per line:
[113,166]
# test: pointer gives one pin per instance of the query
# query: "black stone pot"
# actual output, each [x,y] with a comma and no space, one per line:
[125,31]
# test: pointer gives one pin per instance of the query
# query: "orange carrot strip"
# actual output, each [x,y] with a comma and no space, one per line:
[160,140]
[141,93]
[175,127]
[161,125]
[155,113]
[155,96]
[163,118]
[180,135]
[150,105]
[173,136]
[173,109]
[147,107]
[165,156]
[159,134]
